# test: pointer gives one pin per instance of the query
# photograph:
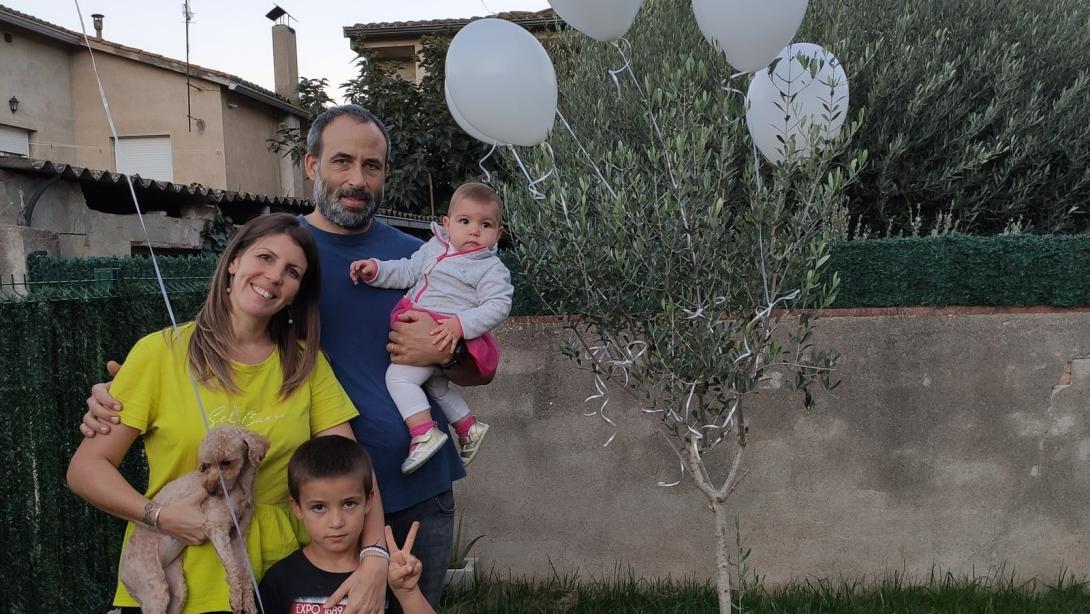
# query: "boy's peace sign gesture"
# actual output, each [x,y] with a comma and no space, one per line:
[405,572]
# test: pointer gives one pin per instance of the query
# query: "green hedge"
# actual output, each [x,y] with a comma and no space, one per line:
[48,268]
[61,553]
[52,276]
[1018,270]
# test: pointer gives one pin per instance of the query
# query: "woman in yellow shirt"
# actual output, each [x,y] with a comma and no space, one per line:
[253,350]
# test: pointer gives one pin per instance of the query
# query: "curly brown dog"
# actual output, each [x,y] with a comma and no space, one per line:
[151,566]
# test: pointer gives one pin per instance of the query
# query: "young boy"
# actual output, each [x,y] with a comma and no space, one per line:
[458,277]
[329,479]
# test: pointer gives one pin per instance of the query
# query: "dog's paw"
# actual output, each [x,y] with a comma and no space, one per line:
[238,604]
[248,605]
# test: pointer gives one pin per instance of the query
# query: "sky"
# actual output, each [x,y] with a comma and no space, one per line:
[234,36]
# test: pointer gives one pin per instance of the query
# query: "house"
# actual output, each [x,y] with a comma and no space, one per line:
[215,136]
[64,179]
[397,43]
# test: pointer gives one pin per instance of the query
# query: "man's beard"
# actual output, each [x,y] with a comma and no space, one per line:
[329,203]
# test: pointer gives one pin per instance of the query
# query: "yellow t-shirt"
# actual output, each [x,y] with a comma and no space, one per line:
[157,398]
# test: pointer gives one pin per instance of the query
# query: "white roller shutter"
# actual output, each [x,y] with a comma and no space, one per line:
[14,141]
[147,156]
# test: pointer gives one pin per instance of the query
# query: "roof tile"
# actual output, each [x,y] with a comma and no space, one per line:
[519,17]
[212,195]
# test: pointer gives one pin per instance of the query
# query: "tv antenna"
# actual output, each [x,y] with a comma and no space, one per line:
[188,14]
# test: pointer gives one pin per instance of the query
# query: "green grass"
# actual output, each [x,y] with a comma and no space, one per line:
[939,592]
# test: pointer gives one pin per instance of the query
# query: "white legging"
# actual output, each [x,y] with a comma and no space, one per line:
[404,383]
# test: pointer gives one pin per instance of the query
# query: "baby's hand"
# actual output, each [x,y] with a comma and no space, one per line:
[405,569]
[362,270]
[447,334]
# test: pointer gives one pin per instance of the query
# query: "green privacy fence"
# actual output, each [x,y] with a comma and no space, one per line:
[1018,270]
[61,554]
[49,277]
[61,325]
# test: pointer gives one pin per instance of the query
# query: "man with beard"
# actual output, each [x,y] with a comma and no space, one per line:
[348,157]
[348,153]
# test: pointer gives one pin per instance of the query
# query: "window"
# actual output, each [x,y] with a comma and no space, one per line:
[147,156]
[14,141]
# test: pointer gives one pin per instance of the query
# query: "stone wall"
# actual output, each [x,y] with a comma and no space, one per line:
[955,439]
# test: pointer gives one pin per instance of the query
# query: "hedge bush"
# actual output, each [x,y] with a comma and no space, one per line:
[977,111]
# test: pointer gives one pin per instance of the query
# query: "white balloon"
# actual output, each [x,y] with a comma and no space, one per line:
[502,82]
[788,101]
[467,127]
[750,32]
[603,20]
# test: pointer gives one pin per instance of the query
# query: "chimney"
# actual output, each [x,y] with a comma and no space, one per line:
[98,24]
[285,62]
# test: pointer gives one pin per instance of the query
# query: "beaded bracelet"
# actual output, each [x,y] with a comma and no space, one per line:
[378,551]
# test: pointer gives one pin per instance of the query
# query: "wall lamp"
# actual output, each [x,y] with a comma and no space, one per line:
[13,104]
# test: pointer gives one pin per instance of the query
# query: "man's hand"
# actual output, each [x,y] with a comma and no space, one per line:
[447,334]
[365,588]
[362,270]
[405,569]
[102,409]
[411,342]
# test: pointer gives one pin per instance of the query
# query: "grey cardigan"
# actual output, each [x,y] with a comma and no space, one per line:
[474,286]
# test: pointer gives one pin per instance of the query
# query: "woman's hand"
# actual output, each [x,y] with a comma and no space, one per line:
[101,407]
[183,519]
[365,588]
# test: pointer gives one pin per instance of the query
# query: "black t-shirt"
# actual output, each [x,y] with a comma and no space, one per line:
[296,586]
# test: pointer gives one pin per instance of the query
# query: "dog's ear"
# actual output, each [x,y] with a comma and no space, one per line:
[256,446]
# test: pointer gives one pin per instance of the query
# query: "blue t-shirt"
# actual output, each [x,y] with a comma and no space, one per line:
[355,329]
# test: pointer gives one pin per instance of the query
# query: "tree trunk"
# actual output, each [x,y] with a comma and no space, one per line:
[717,500]
[722,557]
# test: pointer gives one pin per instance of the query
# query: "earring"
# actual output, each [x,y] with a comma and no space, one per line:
[230,278]
[290,320]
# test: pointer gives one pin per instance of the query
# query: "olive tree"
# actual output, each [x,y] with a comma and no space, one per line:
[687,271]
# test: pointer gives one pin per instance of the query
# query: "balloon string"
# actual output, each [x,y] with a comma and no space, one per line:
[760,223]
[597,171]
[480,164]
[727,88]
[535,193]
[162,286]
[650,112]
[552,164]
[757,166]
[613,73]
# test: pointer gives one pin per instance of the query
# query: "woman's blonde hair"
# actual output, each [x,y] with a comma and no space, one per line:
[297,342]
